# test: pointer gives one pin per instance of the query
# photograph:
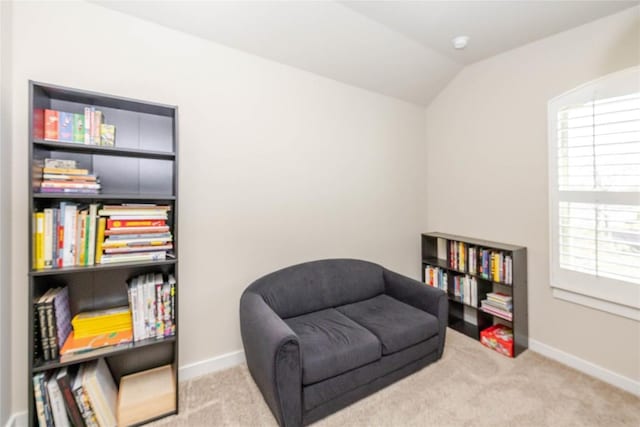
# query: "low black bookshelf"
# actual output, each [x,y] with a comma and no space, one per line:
[487,267]
[139,167]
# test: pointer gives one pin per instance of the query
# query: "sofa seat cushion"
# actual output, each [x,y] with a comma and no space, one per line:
[396,324]
[331,344]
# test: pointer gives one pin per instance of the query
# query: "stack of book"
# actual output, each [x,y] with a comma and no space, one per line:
[97,329]
[83,397]
[152,304]
[88,128]
[145,395]
[466,289]
[52,323]
[65,236]
[133,232]
[64,176]
[436,277]
[98,322]
[499,304]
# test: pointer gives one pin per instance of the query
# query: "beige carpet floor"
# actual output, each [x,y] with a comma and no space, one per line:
[470,386]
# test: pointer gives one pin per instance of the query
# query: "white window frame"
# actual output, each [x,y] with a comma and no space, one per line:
[614,296]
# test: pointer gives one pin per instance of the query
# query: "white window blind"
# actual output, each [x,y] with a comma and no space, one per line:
[594,153]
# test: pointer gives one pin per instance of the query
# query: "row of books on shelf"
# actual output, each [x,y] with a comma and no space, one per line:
[465,288]
[88,128]
[64,176]
[488,264]
[149,314]
[87,395]
[152,303]
[492,265]
[74,234]
[436,277]
[498,304]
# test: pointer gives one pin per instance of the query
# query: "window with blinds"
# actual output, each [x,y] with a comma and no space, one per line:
[594,135]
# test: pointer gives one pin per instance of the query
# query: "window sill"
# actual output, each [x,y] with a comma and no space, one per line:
[598,304]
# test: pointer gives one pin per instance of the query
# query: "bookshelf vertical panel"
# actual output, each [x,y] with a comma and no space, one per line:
[142,167]
[520,305]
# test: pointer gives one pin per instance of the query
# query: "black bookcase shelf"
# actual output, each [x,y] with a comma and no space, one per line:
[105,151]
[104,197]
[142,167]
[102,352]
[482,319]
[99,267]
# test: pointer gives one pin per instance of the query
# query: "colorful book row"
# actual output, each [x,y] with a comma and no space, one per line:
[489,264]
[88,128]
[436,277]
[85,395]
[81,235]
[152,303]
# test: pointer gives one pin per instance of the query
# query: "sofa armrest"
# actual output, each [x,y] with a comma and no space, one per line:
[272,351]
[426,298]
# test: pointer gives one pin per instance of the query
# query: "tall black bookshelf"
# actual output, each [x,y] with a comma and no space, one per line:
[142,167]
[477,320]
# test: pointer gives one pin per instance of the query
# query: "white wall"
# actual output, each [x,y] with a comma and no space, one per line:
[487,170]
[5,253]
[277,165]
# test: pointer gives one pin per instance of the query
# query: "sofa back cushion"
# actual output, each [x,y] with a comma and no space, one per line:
[317,285]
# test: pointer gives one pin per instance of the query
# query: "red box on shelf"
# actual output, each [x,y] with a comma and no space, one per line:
[498,338]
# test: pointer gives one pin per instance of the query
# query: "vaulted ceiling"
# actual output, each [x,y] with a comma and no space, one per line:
[401,49]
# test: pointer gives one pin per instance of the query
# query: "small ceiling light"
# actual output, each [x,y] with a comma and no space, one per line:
[460,42]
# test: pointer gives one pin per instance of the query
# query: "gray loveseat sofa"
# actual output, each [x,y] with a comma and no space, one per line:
[319,336]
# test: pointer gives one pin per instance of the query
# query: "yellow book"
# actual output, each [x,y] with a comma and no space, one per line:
[66,171]
[102,222]
[33,241]
[81,333]
[39,240]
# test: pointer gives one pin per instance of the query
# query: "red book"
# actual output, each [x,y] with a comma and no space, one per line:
[135,223]
[60,244]
[51,125]
[38,123]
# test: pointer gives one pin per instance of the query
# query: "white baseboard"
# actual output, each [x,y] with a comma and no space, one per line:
[586,367]
[206,366]
[19,419]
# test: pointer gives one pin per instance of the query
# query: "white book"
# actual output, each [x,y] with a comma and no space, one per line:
[474,292]
[69,238]
[57,404]
[442,248]
[92,218]
[132,305]
[145,256]
[121,217]
[102,392]
[48,238]
[157,281]
[140,308]
[150,304]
